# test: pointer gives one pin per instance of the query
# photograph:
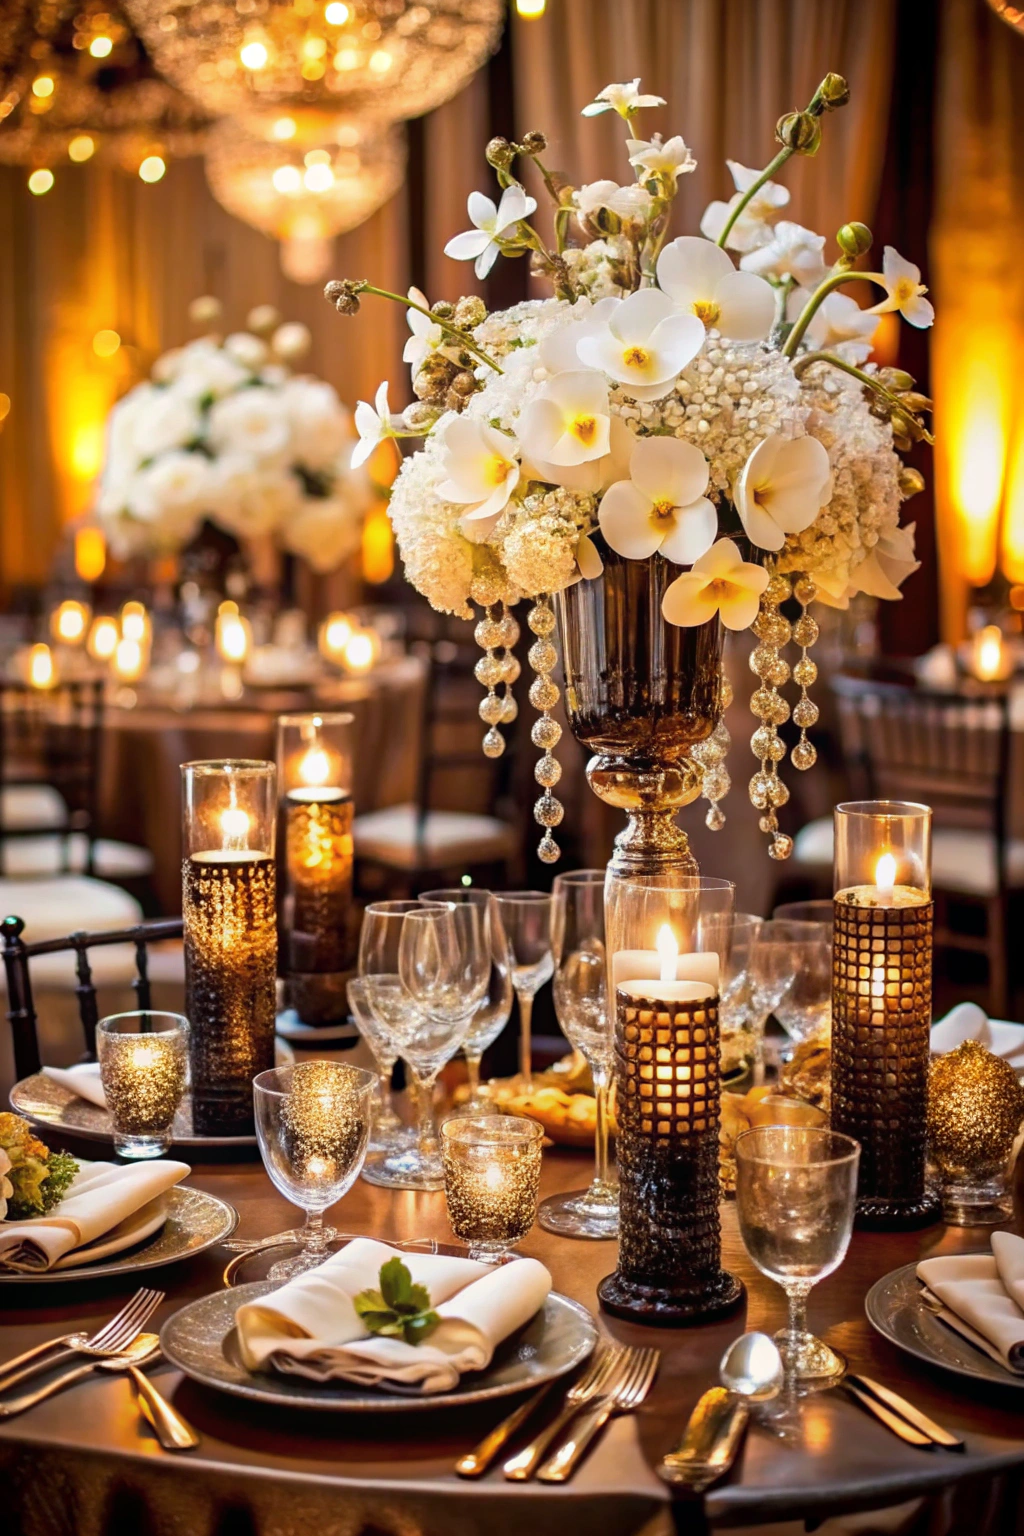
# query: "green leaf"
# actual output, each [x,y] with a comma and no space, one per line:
[399,1310]
[417,1328]
[396,1283]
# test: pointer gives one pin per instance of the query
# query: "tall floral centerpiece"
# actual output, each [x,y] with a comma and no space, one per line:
[684,437]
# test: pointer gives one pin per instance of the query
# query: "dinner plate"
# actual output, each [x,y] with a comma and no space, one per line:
[188,1222]
[201,1341]
[53,1107]
[894,1307]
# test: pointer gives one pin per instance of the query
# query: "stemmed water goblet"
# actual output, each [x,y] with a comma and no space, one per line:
[792,960]
[581,1005]
[494,1008]
[796,1189]
[526,918]
[388,1134]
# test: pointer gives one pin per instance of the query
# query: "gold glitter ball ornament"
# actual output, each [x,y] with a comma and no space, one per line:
[975,1108]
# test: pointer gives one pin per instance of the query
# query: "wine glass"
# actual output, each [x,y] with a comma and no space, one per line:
[387,1132]
[806,912]
[526,917]
[796,1190]
[739,1033]
[792,958]
[493,1010]
[312,1125]
[581,1004]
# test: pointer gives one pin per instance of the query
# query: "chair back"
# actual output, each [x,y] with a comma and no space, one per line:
[17,957]
[52,737]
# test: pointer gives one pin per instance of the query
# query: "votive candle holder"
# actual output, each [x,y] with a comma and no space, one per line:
[491,1180]
[143,1059]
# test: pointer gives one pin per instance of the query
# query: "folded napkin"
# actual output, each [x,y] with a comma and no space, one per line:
[983,1296]
[83,1081]
[101,1196]
[969,1022]
[310,1326]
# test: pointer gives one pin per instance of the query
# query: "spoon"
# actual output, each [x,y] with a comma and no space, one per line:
[752,1368]
[751,1371]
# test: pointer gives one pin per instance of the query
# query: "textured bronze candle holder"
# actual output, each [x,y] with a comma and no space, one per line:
[882,1005]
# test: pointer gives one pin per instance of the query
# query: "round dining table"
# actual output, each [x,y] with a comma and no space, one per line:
[84,1462]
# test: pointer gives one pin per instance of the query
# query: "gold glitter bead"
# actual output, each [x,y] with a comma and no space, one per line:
[488,671]
[541,619]
[975,1107]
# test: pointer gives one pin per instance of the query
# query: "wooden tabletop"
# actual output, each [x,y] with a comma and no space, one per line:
[87,1447]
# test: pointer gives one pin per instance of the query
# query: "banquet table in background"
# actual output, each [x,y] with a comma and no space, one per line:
[81,1463]
[140,790]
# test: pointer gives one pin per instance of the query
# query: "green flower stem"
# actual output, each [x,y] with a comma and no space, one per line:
[751,192]
[462,337]
[546,176]
[782,294]
[870,379]
[818,297]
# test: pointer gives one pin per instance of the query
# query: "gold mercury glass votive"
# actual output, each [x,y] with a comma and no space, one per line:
[882,1004]
[144,1070]
[491,1178]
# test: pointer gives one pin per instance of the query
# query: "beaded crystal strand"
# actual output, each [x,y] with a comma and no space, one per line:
[546,733]
[805,712]
[711,754]
[767,791]
[490,671]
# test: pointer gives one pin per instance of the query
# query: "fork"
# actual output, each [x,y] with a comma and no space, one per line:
[112,1339]
[594,1380]
[631,1386]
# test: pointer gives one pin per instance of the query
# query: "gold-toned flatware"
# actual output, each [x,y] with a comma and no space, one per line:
[602,1370]
[632,1384]
[900,1427]
[906,1410]
[476,1461]
[112,1339]
[173,1432]
[709,1443]
[145,1347]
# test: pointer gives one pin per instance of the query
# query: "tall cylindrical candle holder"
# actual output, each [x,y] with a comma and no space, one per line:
[318,943]
[664,935]
[882,1004]
[229,909]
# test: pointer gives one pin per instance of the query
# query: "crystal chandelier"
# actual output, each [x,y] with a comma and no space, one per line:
[393,58]
[304,179]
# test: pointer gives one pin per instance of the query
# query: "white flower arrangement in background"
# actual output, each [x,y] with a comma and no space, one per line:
[225,431]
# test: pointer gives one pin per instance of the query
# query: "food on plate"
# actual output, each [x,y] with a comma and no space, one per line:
[32,1178]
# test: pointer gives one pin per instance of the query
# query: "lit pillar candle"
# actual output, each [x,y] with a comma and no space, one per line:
[69,622]
[882,1003]
[229,910]
[40,671]
[333,636]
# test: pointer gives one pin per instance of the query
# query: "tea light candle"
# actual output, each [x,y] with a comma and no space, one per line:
[40,670]
[143,1066]
[990,658]
[232,634]
[135,623]
[491,1178]
[361,651]
[103,637]
[333,636]
[69,622]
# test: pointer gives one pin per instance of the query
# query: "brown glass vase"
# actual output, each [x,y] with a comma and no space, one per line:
[639,692]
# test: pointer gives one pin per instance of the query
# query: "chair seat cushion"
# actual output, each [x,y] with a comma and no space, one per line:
[31,805]
[449,837]
[24,857]
[53,908]
[962,860]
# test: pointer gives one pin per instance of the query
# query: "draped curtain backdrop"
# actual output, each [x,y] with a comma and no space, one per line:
[103,250]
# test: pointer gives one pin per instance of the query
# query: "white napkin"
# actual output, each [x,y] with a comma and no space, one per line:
[100,1197]
[969,1022]
[984,1297]
[83,1080]
[310,1327]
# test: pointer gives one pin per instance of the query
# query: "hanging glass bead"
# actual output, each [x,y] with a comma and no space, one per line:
[545,734]
[766,789]
[805,712]
[490,671]
[710,755]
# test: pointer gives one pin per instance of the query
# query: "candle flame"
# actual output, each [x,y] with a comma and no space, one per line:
[337,631]
[234,823]
[360,651]
[103,639]
[232,637]
[69,621]
[41,671]
[315,767]
[134,622]
[668,952]
[129,661]
[989,652]
[885,872]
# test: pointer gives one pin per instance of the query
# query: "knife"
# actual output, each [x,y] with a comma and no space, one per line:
[900,1427]
[709,1442]
[914,1416]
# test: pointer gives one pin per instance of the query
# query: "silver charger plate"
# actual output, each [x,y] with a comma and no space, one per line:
[195,1221]
[51,1106]
[894,1307]
[201,1341]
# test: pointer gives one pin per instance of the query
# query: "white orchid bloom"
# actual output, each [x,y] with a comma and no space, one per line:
[588,561]
[670,157]
[722,582]
[623,99]
[373,423]
[481,468]
[557,352]
[568,421]
[644,345]
[662,506]
[904,290]
[630,202]
[754,225]
[838,319]
[491,223]
[792,252]
[426,336]
[781,488]
[597,474]
[886,568]
[699,278]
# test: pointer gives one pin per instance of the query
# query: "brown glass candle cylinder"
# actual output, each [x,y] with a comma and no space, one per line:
[230,930]
[882,1005]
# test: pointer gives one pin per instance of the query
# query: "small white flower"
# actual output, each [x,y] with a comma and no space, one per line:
[291,340]
[568,421]
[373,423]
[839,318]
[597,474]
[781,488]
[557,352]
[644,344]
[662,506]
[481,468]
[426,336]
[203,368]
[249,500]
[792,252]
[623,99]
[630,202]
[321,427]
[886,568]
[668,158]
[324,530]
[699,277]
[250,421]
[754,225]
[172,492]
[168,421]
[722,582]
[491,223]
[904,290]
[248,350]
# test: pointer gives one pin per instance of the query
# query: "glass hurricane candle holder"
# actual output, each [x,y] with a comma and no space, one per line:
[491,1178]
[318,944]
[144,1070]
[230,923]
[882,1004]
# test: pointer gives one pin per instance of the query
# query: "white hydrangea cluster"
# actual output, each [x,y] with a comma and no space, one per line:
[598,268]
